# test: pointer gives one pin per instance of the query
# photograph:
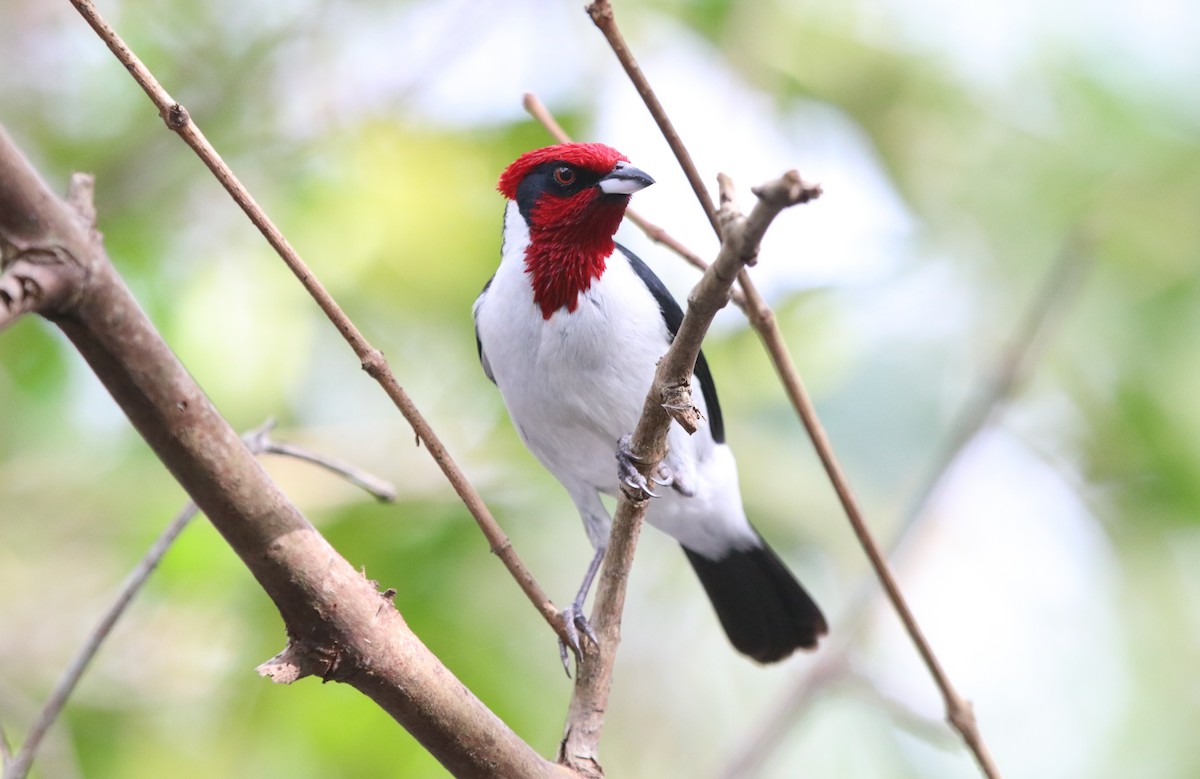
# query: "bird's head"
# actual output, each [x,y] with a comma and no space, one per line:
[572,197]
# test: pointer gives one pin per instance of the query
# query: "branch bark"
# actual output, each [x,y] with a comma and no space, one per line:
[602,16]
[339,626]
[36,275]
[669,400]
[958,710]
[259,441]
[179,121]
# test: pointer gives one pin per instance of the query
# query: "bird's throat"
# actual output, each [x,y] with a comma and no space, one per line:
[564,259]
[560,274]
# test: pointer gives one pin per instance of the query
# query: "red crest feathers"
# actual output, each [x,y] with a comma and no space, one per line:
[595,157]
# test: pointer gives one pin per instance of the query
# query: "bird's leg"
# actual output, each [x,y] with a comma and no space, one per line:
[628,472]
[573,616]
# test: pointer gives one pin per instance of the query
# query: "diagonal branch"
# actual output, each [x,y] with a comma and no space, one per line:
[373,362]
[36,277]
[339,626]
[958,710]
[258,441]
[996,387]
[669,399]
[602,16]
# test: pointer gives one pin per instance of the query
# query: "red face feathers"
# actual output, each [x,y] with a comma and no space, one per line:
[573,197]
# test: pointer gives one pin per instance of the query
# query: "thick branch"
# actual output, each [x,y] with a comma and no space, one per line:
[36,276]
[339,626]
[669,397]
[372,360]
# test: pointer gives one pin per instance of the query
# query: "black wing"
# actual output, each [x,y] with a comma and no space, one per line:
[487,369]
[673,316]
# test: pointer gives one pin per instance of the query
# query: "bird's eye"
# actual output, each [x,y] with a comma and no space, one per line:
[564,176]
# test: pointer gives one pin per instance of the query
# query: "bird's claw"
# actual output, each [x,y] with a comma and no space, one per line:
[638,482]
[574,622]
[628,472]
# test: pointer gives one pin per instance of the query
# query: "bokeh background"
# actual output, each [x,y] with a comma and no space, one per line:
[965,150]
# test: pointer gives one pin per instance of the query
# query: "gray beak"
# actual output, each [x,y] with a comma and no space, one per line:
[624,180]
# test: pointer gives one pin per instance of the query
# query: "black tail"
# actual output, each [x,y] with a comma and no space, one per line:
[764,610]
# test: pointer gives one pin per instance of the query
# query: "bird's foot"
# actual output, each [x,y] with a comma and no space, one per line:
[675,480]
[574,622]
[627,470]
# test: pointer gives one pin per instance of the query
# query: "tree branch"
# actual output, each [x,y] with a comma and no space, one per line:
[35,277]
[669,398]
[958,710]
[376,487]
[339,626]
[602,16]
[259,441]
[23,761]
[372,360]
[998,383]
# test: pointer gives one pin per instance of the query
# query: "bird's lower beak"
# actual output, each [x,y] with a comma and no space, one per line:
[624,180]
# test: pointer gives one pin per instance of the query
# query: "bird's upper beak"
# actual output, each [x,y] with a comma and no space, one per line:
[624,180]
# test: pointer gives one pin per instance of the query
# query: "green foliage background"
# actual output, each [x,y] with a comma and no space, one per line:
[397,214]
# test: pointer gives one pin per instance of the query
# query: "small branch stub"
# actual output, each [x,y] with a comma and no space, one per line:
[176,117]
[677,401]
[283,668]
[788,190]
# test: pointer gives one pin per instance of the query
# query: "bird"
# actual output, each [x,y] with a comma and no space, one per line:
[570,328]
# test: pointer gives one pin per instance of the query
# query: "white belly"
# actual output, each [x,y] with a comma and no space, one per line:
[576,383]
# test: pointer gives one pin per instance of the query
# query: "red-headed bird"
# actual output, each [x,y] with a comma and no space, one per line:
[570,329]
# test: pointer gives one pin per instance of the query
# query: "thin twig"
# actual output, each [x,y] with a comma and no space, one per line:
[373,362]
[602,16]
[655,233]
[19,768]
[997,385]
[537,109]
[958,710]
[259,442]
[669,399]
[929,729]
[375,486]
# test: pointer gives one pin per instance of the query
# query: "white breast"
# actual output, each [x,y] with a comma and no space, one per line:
[575,383]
